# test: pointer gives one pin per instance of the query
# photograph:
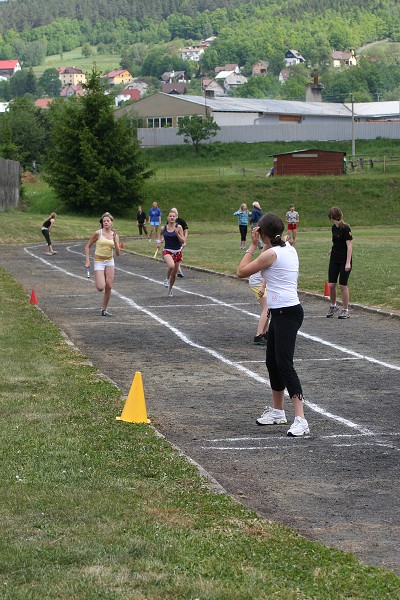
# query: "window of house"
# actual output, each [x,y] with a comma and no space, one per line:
[157,122]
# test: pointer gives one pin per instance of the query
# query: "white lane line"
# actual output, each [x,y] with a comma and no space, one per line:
[227,305]
[298,360]
[185,339]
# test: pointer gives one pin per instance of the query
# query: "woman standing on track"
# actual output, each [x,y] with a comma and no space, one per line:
[340,262]
[106,240]
[47,225]
[173,237]
[279,266]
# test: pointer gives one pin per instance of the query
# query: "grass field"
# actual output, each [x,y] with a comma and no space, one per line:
[97,509]
[74,58]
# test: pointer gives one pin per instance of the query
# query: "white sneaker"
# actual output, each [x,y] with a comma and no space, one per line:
[170,293]
[272,416]
[299,427]
[166,283]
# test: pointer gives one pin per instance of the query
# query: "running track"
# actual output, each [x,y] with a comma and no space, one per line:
[205,383]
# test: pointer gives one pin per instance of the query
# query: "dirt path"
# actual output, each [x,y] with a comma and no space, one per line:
[205,383]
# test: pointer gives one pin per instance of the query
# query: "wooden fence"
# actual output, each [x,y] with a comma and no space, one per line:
[9,184]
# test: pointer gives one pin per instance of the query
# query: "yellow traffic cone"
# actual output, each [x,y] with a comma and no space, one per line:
[134,410]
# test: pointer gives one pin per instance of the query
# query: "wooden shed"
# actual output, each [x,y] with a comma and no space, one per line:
[309,162]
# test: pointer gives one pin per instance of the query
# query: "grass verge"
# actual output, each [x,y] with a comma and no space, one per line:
[93,508]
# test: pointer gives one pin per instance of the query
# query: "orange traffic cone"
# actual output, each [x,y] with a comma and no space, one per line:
[326,291]
[122,245]
[33,298]
[134,410]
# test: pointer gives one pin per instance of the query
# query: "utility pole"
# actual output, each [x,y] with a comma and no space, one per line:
[353,140]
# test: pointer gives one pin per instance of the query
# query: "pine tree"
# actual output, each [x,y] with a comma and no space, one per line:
[95,162]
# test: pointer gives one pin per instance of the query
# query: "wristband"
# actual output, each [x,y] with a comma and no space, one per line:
[158,241]
[249,252]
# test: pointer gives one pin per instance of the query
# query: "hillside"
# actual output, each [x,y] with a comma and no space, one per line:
[147,36]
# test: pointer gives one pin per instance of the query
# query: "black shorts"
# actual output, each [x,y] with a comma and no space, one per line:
[337,270]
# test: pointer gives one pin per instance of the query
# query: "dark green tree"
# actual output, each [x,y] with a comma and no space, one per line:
[197,129]
[24,132]
[49,83]
[95,162]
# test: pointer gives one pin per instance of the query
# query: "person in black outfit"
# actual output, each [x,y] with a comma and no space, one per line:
[141,222]
[255,216]
[340,262]
[47,225]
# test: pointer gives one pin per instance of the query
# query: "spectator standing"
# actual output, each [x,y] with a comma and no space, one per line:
[255,216]
[292,218]
[155,215]
[340,263]
[243,220]
[279,266]
[141,222]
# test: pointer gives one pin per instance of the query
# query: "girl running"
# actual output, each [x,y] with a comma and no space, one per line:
[173,237]
[106,240]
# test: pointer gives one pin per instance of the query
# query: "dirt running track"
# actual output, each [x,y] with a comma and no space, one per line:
[205,384]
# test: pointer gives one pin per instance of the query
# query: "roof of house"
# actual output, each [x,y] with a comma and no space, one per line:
[8,64]
[77,89]
[339,55]
[224,74]
[43,102]
[178,88]
[306,150]
[115,73]
[70,71]
[296,54]
[292,107]
[133,94]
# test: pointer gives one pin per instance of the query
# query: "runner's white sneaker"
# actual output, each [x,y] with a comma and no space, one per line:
[170,293]
[272,416]
[299,427]
[166,283]
[332,310]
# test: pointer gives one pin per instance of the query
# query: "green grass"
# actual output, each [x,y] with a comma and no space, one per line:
[74,58]
[94,509]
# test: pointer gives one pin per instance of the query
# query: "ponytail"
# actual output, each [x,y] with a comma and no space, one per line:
[272,227]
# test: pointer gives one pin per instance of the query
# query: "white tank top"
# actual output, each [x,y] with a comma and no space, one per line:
[281,278]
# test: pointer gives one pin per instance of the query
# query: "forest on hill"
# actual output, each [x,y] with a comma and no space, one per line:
[147,36]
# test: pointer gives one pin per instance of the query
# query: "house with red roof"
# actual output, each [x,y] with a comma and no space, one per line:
[43,102]
[72,90]
[127,96]
[118,77]
[8,68]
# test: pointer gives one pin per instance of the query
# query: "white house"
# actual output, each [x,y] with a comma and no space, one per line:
[192,52]
[233,81]
[293,57]
[343,59]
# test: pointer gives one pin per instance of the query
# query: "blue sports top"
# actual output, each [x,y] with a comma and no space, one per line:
[171,240]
